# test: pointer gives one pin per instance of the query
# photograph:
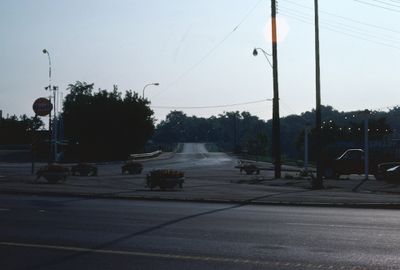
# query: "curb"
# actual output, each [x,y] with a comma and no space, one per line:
[216,201]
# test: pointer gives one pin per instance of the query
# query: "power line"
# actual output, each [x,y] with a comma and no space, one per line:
[375,5]
[386,3]
[344,33]
[205,56]
[344,18]
[212,106]
[342,26]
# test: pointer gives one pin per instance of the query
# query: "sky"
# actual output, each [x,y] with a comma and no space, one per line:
[200,52]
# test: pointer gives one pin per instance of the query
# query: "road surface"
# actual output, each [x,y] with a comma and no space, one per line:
[70,233]
[192,156]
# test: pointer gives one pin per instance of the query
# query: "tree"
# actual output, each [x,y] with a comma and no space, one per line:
[16,130]
[226,130]
[104,125]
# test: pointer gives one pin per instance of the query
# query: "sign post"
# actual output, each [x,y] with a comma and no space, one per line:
[42,107]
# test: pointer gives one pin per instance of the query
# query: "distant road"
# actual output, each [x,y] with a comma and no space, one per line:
[74,233]
[194,156]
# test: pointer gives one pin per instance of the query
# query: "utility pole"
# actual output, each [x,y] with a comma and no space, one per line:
[318,182]
[276,146]
[366,147]
[306,131]
[234,133]
[55,123]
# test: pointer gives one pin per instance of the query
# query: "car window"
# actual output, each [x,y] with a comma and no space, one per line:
[353,155]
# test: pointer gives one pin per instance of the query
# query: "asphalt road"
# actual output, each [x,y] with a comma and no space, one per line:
[193,155]
[194,160]
[70,233]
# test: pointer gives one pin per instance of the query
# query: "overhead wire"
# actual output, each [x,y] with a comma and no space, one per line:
[354,32]
[386,3]
[344,26]
[211,106]
[344,17]
[209,52]
[376,5]
[338,25]
[305,20]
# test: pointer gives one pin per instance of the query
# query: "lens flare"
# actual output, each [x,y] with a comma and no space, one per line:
[283,30]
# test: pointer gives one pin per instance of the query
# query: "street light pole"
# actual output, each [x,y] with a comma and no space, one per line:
[53,135]
[275,118]
[156,84]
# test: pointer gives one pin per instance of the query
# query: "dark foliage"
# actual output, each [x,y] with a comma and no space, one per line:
[104,125]
[242,131]
[231,131]
[16,131]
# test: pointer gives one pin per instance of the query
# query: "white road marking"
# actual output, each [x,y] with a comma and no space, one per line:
[340,226]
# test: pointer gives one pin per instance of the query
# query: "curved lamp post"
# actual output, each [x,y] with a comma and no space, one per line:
[276,145]
[48,55]
[255,53]
[54,89]
[156,84]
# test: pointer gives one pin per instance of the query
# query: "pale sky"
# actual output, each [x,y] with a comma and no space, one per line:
[190,48]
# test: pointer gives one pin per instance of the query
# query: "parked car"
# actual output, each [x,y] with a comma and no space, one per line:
[350,162]
[389,171]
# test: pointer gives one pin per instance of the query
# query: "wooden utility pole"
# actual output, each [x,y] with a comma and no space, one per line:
[318,182]
[366,146]
[276,144]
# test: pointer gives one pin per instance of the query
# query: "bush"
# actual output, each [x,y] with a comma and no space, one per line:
[132,167]
[53,172]
[165,179]
[167,174]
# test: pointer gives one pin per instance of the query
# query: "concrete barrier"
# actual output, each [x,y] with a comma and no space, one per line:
[145,155]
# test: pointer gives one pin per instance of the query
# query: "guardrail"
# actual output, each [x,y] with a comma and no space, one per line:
[145,155]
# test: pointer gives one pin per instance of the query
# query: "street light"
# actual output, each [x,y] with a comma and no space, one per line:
[276,144]
[156,84]
[276,147]
[54,88]
[255,53]
[48,54]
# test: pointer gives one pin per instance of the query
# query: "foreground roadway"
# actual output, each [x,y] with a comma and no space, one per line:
[72,233]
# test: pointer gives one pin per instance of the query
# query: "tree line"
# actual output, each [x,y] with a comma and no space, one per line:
[243,132]
[231,131]
[106,125]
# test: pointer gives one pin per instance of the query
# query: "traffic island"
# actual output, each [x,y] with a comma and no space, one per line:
[208,186]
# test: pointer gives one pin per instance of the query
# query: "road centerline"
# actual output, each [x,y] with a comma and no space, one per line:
[338,226]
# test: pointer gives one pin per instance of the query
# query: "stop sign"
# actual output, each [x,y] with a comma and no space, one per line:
[42,106]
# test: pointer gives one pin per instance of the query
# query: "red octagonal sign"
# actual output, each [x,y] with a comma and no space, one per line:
[42,106]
